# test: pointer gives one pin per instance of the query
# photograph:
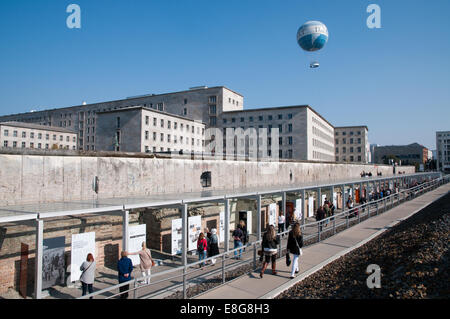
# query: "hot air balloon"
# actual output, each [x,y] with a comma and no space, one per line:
[311,37]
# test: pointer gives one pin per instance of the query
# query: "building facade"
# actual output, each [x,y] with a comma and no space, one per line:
[34,136]
[352,144]
[443,151]
[199,103]
[303,134]
[413,154]
[140,129]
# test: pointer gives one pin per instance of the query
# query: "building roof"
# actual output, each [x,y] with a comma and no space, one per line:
[403,146]
[139,107]
[126,99]
[280,108]
[356,126]
[37,127]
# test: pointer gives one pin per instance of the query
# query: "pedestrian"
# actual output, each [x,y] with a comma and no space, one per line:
[350,206]
[269,244]
[202,248]
[281,222]
[332,208]
[245,232]
[320,215]
[213,245]
[87,275]
[326,209]
[147,262]
[238,238]
[294,245]
[125,268]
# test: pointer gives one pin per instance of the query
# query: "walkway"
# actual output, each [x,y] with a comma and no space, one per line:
[319,255]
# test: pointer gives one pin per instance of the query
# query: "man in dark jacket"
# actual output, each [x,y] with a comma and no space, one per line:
[238,238]
[320,215]
[124,267]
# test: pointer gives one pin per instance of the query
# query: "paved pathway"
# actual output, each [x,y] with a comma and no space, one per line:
[319,255]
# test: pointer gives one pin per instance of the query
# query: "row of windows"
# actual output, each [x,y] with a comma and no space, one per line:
[316,131]
[289,141]
[260,118]
[39,135]
[344,150]
[233,101]
[322,156]
[351,133]
[326,128]
[287,154]
[14,144]
[322,145]
[169,125]
[288,128]
[162,149]
[351,141]
[351,159]
[175,139]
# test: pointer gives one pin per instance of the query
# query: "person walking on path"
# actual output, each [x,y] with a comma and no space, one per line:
[125,268]
[326,208]
[244,231]
[320,215]
[238,238]
[147,262]
[294,246]
[202,248]
[88,274]
[213,245]
[269,245]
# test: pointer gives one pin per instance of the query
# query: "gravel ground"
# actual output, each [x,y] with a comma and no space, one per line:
[413,257]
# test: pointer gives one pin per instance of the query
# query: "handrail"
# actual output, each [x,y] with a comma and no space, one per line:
[184,269]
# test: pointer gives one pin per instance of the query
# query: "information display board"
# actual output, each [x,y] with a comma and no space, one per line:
[136,236]
[273,214]
[53,264]
[311,206]
[194,230]
[82,245]
[298,209]
[177,236]
[222,227]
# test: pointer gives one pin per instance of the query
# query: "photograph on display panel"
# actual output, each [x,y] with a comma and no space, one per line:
[53,263]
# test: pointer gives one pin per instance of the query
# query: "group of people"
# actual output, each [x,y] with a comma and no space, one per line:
[124,268]
[324,211]
[208,247]
[269,250]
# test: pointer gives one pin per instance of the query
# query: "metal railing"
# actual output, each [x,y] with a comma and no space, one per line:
[366,210]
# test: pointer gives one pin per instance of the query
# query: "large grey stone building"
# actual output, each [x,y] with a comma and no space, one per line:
[200,103]
[140,129]
[443,150]
[29,136]
[303,134]
[352,144]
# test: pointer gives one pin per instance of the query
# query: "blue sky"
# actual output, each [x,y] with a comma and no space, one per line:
[395,80]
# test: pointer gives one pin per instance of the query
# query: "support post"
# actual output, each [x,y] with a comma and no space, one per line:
[303,206]
[284,210]
[184,235]
[227,225]
[125,229]
[38,259]
[258,217]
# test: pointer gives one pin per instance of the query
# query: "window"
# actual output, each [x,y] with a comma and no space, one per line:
[250,118]
[39,145]
[337,141]
[233,120]
[212,109]
[212,121]
[359,140]
[185,101]
[290,140]
[24,134]
[23,144]
[168,124]
[270,118]
[5,143]
[175,125]
[6,132]
[359,149]
[160,106]
[351,149]
[168,138]
[289,128]
[212,99]
[205,179]
[162,137]
[351,159]
[47,136]
[32,135]
[54,137]
[289,116]
[280,116]
[14,144]
[192,142]
[162,123]
[31,145]
[146,135]
[193,129]
[280,141]
[187,127]
[359,158]
[260,118]
[224,121]
[181,126]
[344,150]
[337,150]
[15,133]
[344,141]
[154,121]
[146,120]
[74,139]
[154,136]
[47,146]
[118,122]
[61,138]
[289,153]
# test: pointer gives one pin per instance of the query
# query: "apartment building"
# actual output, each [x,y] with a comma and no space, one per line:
[443,151]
